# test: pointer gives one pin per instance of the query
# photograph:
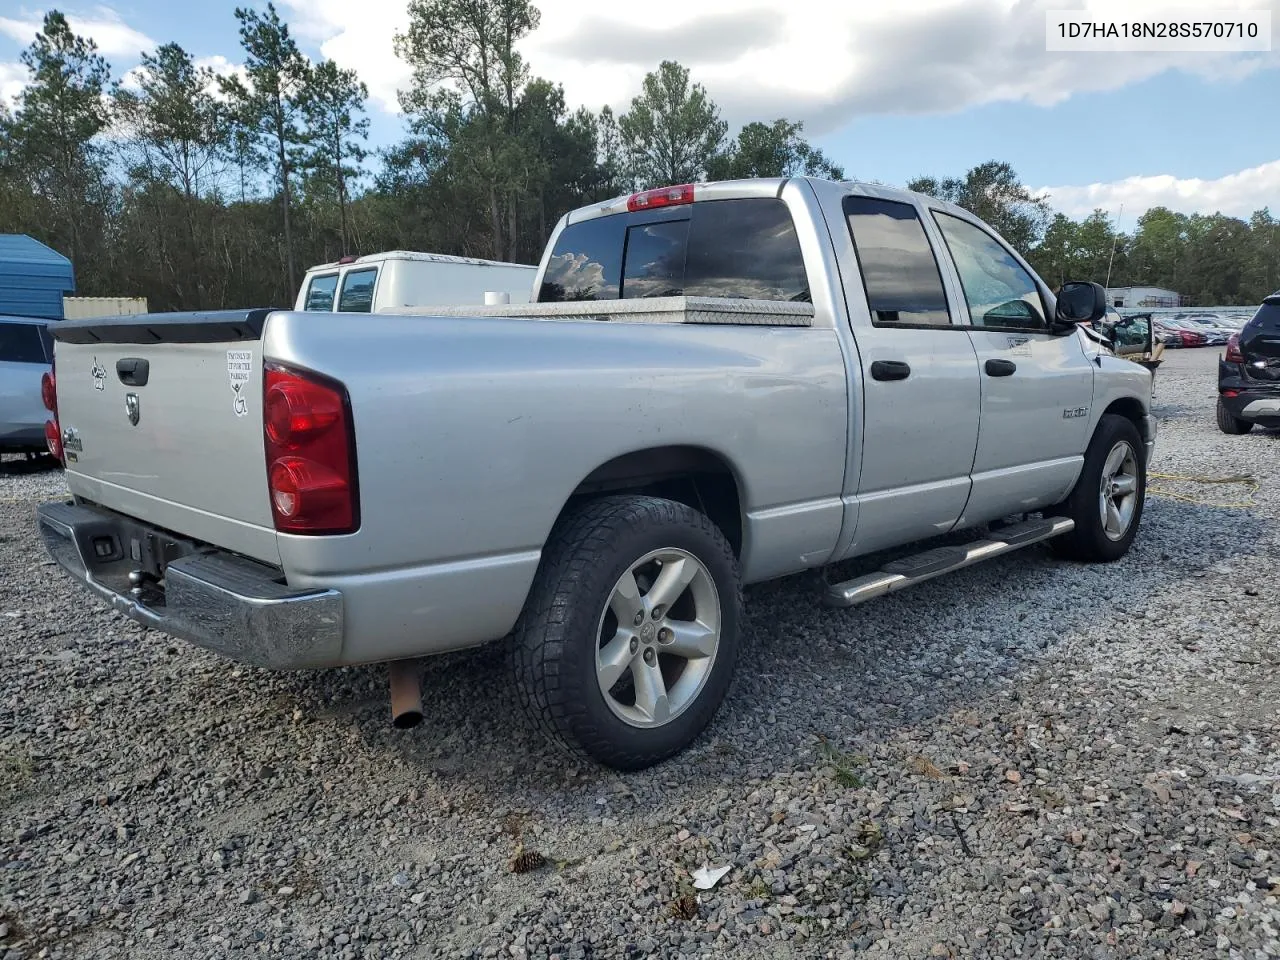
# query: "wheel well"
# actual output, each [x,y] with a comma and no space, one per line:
[690,475]
[1131,409]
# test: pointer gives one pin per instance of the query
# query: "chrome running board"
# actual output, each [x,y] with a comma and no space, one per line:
[909,571]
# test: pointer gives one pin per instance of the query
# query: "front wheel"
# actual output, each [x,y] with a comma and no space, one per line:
[629,636]
[1107,500]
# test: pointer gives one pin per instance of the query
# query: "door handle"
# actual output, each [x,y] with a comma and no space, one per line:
[133,371]
[890,370]
[1000,368]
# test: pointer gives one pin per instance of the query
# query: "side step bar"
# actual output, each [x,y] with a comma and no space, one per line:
[915,569]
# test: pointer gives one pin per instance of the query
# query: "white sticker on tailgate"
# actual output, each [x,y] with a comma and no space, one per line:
[239,365]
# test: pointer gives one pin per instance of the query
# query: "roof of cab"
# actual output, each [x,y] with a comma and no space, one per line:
[766,187]
[375,258]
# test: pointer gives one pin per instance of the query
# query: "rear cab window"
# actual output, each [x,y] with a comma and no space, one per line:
[899,270]
[357,290]
[320,292]
[745,248]
[25,343]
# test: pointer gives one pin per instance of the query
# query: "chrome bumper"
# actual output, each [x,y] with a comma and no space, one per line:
[220,601]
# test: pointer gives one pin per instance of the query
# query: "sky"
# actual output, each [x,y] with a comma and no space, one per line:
[889,90]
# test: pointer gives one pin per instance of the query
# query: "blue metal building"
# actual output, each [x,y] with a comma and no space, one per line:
[33,278]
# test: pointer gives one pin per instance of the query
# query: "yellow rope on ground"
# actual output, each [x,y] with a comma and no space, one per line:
[1241,479]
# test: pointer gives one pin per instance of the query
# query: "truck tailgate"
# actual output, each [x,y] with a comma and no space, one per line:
[161,417]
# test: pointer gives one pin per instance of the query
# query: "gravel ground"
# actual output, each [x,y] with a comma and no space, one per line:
[1029,758]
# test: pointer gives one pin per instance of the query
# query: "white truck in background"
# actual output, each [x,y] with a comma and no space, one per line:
[402,278]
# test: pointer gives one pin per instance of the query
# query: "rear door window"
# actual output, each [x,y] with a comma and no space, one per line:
[899,270]
[320,292]
[23,343]
[357,291]
[745,248]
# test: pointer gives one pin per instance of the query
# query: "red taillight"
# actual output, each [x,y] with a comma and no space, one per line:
[52,428]
[1233,349]
[1231,393]
[662,197]
[311,471]
[295,410]
[53,437]
[49,392]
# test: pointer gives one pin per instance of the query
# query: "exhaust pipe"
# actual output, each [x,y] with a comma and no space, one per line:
[406,693]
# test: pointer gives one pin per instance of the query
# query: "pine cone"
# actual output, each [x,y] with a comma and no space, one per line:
[526,861]
[685,907]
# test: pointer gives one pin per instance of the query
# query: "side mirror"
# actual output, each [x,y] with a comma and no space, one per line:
[1079,301]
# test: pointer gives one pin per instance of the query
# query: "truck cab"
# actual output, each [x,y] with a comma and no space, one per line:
[400,278]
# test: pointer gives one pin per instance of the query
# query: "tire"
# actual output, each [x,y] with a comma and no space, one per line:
[1091,541]
[1231,424]
[570,638]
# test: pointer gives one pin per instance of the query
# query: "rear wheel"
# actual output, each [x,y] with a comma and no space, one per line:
[1228,423]
[1106,502]
[628,641]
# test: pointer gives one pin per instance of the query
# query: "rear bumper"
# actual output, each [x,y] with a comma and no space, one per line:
[235,607]
[1149,431]
[1255,401]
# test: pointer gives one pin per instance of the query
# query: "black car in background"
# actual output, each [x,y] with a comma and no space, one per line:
[1249,373]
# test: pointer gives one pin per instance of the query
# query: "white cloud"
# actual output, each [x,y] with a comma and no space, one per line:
[364,43]
[806,59]
[13,78]
[1237,194]
[114,37]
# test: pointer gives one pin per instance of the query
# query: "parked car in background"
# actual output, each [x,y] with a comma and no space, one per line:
[401,278]
[1215,333]
[1168,335]
[26,352]
[1249,373]
[1182,334]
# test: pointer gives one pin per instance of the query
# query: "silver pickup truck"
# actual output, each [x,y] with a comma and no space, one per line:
[718,384]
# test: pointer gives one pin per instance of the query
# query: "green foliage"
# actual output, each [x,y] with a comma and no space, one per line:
[52,152]
[468,88]
[268,108]
[673,130]
[332,153]
[177,128]
[201,199]
[772,150]
[994,193]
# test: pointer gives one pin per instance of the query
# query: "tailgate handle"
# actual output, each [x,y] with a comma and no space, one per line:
[133,371]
